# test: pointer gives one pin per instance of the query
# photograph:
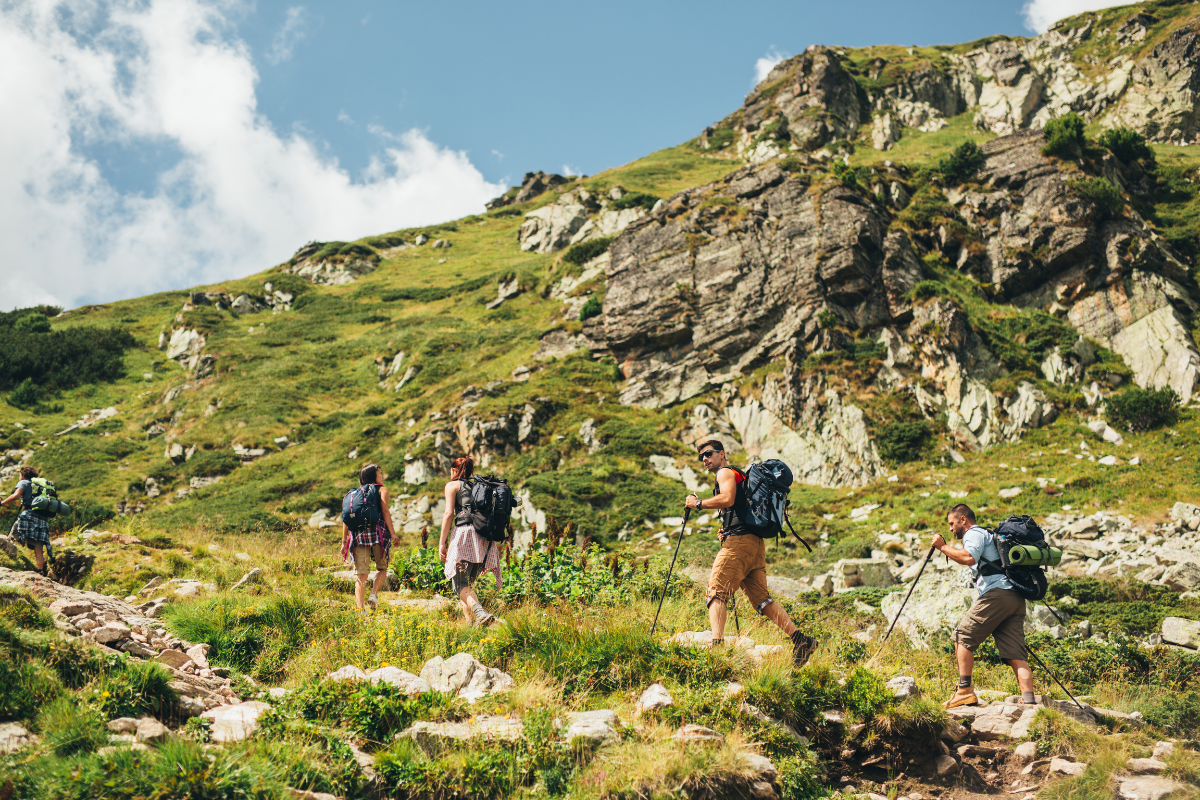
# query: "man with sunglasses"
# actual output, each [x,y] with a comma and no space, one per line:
[742,560]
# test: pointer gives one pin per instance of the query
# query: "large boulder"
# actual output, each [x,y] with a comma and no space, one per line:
[232,723]
[552,227]
[433,737]
[594,727]
[465,677]
[937,604]
[1182,632]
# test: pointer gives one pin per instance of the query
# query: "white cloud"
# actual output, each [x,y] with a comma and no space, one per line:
[498,154]
[240,197]
[289,35]
[1041,14]
[764,65]
[345,118]
[569,171]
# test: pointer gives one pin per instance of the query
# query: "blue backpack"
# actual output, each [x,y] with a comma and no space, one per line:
[764,500]
[362,507]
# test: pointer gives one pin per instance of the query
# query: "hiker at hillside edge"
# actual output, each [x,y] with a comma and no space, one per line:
[466,554]
[998,612]
[742,560]
[373,542]
[31,528]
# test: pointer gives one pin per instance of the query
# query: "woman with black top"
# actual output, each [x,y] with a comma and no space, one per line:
[465,553]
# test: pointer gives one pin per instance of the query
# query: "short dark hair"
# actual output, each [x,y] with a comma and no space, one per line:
[963,510]
[368,474]
[28,473]
[713,443]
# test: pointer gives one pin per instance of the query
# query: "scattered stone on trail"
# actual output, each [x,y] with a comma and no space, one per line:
[757,652]
[1020,729]
[14,736]
[760,764]
[232,723]
[199,654]
[1064,767]
[1164,749]
[976,751]
[411,684]
[122,725]
[903,687]
[150,730]
[1182,577]
[594,727]
[1145,766]
[462,675]
[250,577]
[693,734]
[110,633]
[654,698]
[1024,753]
[304,794]
[994,722]
[347,673]
[945,765]
[434,736]
[176,659]
[954,732]
[71,608]
[1148,788]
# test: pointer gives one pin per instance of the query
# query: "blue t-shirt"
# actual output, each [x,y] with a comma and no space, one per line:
[26,490]
[978,542]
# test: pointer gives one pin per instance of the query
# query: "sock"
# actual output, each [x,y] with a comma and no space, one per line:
[1027,697]
[964,681]
[480,612]
[718,641]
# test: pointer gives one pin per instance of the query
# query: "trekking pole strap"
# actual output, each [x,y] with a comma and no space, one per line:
[686,513]
[793,530]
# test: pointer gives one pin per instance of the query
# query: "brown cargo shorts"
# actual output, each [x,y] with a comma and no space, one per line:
[364,555]
[1000,613]
[742,562]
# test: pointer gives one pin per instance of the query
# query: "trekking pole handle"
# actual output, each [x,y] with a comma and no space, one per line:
[687,512]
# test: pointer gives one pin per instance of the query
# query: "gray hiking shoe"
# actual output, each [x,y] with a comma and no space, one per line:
[373,601]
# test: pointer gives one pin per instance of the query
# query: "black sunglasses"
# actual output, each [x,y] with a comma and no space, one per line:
[707,454]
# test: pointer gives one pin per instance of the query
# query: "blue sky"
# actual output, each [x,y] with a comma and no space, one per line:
[163,144]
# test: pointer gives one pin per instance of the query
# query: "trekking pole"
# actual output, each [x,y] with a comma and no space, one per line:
[686,513]
[736,625]
[901,609]
[1042,664]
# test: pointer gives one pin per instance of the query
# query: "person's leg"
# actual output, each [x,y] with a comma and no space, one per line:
[966,661]
[774,612]
[1024,677]
[718,614]
[39,558]
[1010,644]
[381,567]
[979,623]
[362,569]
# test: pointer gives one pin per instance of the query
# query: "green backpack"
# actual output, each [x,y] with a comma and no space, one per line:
[45,499]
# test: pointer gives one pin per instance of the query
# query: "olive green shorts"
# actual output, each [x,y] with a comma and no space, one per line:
[1000,613]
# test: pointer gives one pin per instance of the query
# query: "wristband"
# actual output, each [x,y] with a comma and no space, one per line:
[699,503]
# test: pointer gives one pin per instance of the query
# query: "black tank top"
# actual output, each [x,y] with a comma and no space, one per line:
[731,520]
[462,502]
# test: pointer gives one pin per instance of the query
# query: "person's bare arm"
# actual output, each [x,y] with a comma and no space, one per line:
[959,555]
[447,517]
[727,485]
[10,498]
[387,511]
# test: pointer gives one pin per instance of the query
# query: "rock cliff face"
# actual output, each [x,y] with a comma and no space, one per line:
[1139,71]
[794,268]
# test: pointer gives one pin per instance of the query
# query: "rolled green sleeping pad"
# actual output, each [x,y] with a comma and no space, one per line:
[1026,555]
[50,506]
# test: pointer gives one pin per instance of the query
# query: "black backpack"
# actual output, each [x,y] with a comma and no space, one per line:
[362,507]
[762,505]
[1027,581]
[490,505]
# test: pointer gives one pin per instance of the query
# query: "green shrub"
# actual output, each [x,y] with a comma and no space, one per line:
[20,609]
[1177,714]
[961,164]
[720,138]
[899,442]
[865,693]
[848,175]
[33,323]
[1102,194]
[635,200]
[26,394]
[25,687]
[592,308]
[925,290]
[1144,409]
[580,254]
[1127,145]
[800,776]
[1064,136]
[433,294]
[61,359]
[385,242]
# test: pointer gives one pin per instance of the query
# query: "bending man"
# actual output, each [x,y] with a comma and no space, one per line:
[999,612]
[742,560]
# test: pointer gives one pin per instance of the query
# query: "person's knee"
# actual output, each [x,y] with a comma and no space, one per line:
[715,599]
[764,606]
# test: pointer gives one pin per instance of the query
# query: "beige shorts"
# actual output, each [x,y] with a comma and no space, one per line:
[1000,614]
[363,556]
[741,563]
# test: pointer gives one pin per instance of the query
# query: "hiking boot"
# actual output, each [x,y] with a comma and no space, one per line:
[802,648]
[373,601]
[962,697]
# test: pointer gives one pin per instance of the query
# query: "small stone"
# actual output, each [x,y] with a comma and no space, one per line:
[347,673]
[903,687]
[954,732]
[654,698]
[595,727]
[1145,766]
[199,654]
[235,722]
[1164,749]
[1064,767]
[14,736]
[1024,753]
[976,751]
[151,730]
[110,633]
[122,725]
[1148,787]
[692,734]
[175,659]
[945,766]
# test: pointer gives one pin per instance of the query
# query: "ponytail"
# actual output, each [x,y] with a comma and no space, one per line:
[464,467]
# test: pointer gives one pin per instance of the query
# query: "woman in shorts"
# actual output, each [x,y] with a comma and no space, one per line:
[465,553]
